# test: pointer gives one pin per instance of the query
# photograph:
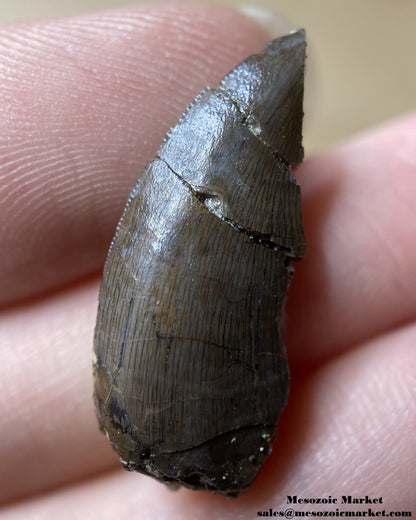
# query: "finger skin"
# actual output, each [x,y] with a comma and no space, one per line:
[86,102]
[358,277]
[48,430]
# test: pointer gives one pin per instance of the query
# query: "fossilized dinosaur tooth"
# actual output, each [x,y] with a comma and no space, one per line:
[190,370]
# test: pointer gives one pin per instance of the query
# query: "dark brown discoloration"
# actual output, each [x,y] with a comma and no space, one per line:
[190,369]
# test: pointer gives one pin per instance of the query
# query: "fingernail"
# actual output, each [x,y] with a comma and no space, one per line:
[274,24]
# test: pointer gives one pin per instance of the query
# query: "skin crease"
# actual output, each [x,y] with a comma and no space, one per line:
[79,102]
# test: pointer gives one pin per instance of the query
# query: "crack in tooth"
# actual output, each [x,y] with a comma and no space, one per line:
[253,126]
[257,237]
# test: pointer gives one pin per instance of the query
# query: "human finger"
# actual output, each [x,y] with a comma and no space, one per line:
[86,101]
[358,278]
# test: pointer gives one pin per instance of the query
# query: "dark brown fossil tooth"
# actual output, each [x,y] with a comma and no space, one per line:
[190,370]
